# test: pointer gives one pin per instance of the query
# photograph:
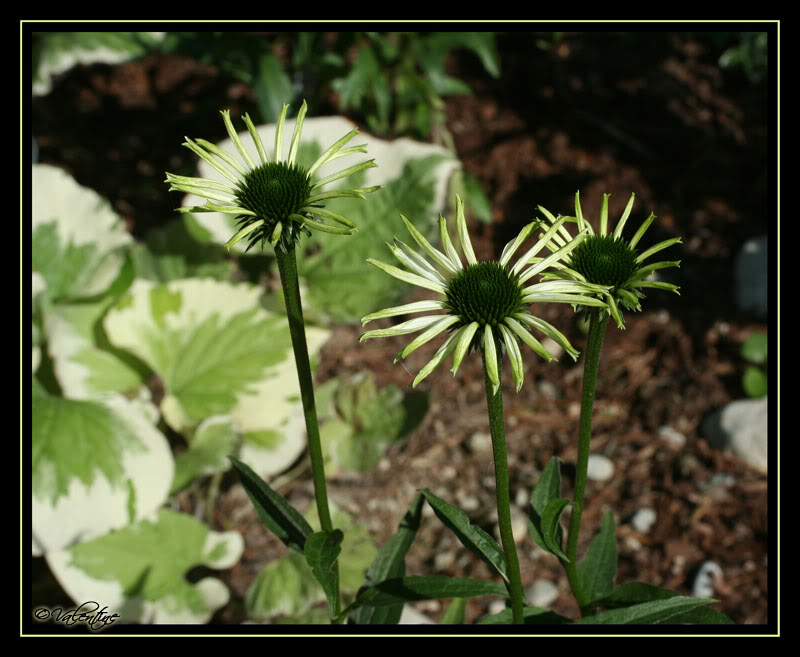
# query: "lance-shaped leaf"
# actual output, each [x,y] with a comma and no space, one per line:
[547,488]
[434,587]
[471,536]
[531,615]
[551,527]
[274,511]
[597,573]
[390,564]
[322,550]
[665,612]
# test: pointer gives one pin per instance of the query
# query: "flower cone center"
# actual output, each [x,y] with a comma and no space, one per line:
[604,260]
[485,292]
[274,191]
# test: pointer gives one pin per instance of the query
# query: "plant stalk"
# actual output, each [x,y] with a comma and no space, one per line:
[497,428]
[598,323]
[287,265]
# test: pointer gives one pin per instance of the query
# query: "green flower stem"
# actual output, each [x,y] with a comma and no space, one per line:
[287,265]
[497,428]
[597,329]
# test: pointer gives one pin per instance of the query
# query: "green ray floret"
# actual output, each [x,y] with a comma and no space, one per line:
[482,304]
[609,259]
[274,200]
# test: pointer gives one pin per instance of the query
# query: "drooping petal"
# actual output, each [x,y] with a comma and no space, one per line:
[438,357]
[444,323]
[244,232]
[490,354]
[525,335]
[462,346]
[548,329]
[514,355]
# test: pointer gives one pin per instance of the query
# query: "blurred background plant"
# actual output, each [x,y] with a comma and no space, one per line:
[754,353]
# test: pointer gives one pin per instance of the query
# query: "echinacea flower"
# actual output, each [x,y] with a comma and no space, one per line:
[483,304]
[609,259]
[276,199]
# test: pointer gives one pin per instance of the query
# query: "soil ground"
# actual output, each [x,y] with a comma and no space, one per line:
[598,112]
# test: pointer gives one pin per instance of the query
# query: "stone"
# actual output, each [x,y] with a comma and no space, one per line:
[542,593]
[643,520]
[600,468]
[741,428]
[752,277]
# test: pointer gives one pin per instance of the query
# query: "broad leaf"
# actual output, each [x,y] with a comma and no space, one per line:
[272,87]
[551,527]
[139,572]
[208,451]
[471,536]
[96,466]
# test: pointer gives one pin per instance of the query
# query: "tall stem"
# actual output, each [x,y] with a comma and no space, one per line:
[597,329]
[498,431]
[287,265]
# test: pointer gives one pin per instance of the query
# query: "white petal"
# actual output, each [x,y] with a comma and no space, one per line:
[408,277]
[463,233]
[411,326]
[446,322]
[416,307]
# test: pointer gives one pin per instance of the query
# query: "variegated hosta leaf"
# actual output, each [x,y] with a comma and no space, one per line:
[218,351]
[208,451]
[139,572]
[38,286]
[78,239]
[97,465]
[84,369]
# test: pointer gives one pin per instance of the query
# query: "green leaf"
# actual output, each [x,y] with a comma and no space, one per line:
[390,564]
[273,88]
[754,382]
[434,587]
[353,88]
[455,612]
[475,198]
[547,488]
[321,551]
[597,573]
[669,611]
[633,593]
[551,528]
[754,349]
[274,511]
[532,616]
[471,536]
[92,462]
[207,453]
[140,571]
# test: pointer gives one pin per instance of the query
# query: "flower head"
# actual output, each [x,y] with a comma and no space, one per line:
[609,259]
[482,304]
[276,199]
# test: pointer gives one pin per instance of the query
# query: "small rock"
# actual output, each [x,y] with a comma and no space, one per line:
[519,526]
[555,349]
[411,616]
[444,560]
[469,503]
[752,277]
[542,593]
[643,520]
[600,468]
[522,498]
[741,429]
[674,438]
[480,442]
[496,606]
[703,586]
[548,389]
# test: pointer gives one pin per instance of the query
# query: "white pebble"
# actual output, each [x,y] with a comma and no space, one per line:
[703,586]
[600,468]
[673,437]
[643,520]
[542,593]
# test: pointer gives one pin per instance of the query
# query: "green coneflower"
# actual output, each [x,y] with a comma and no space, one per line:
[274,200]
[609,259]
[482,304]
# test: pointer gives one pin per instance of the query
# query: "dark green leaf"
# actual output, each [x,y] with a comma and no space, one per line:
[532,616]
[274,511]
[701,616]
[633,593]
[273,88]
[471,536]
[547,488]
[354,87]
[668,611]
[551,528]
[390,564]
[754,382]
[322,550]
[410,589]
[597,573]
[454,614]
